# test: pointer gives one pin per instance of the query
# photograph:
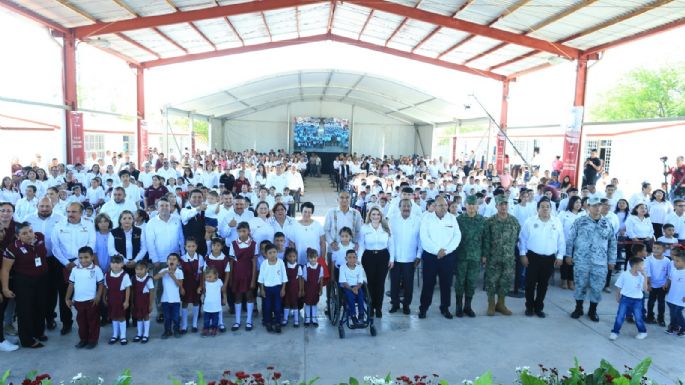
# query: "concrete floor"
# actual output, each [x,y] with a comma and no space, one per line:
[456,349]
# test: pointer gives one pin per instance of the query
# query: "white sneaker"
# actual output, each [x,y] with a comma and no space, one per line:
[641,336]
[613,336]
[6,346]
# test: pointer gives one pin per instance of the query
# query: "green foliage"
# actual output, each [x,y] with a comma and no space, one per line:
[3,379]
[485,379]
[645,93]
[124,378]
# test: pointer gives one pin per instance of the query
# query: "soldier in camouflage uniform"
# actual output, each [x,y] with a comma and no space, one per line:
[469,253]
[501,235]
[591,248]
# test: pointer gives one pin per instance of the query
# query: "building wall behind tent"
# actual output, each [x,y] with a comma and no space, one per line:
[372,133]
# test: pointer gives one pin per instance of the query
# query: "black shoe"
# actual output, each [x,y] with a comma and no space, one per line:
[144,340]
[178,334]
[51,324]
[91,346]
[160,319]
[459,312]
[593,317]
[222,329]
[406,310]
[650,320]
[184,331]
[194,330]
[446,314]
[662,323]
[113,340]
[315,324]
[379,313]
[469,312]
[65,330]
[235,327]
[277,329]
[137,339]
[166,335]
[578,311]
[81,345]
[422,314]
[529,313]
[394,309]
[540,314]
[269,328]
[42,338]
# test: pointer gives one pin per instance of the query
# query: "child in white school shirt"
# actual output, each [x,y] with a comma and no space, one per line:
[172,289]
[629,294]
[214,299]
[272,277]
[676,293]
[339,256]
[86,285]
[668,238]
[656,270]
[351,278]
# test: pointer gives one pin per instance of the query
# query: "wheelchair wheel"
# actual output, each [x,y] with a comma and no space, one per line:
[336,304]
[372,330]
[341,331]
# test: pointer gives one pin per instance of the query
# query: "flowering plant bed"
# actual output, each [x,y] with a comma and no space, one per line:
[605,374]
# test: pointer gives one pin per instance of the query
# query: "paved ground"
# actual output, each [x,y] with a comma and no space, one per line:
[456,349]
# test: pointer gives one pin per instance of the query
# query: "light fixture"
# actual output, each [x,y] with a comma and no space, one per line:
[99,42]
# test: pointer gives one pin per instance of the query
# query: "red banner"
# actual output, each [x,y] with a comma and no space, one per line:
[501,142]
[143,146]
[77,150]
[192,143]
[572,136]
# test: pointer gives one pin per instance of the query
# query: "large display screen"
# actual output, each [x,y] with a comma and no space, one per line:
[321,134]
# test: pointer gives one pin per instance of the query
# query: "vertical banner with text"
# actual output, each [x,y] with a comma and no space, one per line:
[572,134]
[499,157]
[77,150]
[143,146]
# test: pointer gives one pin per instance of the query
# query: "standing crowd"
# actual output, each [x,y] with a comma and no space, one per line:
[182,239]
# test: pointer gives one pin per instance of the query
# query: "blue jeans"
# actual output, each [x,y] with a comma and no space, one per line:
[171,315]
[273,304]
[352,299]
[677,320]
[211,320]
[629,305]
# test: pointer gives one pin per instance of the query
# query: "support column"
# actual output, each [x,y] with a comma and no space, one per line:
[141,127]
[574,128]
[73,119]
[501,139]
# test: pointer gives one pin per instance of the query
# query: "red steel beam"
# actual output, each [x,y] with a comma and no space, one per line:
[368,18]
[437,29]
[27,13]
[187,16]
[233,51]
[587,31]
[193,26]
[424,59]
[170,40]
[235,31]
[137,44]
[266,25]
[141,132]
[331,15]
[399,27]
[69,89]
[572,143]
[501,142]
[628,39]
[484,53]
[526,71]
[133,12]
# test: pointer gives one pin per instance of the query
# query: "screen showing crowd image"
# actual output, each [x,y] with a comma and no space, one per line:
[321,134]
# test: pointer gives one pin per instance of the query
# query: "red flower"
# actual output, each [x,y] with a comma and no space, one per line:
[257,375]
[223,381]
[241,375]
[608,378]
[227,372]
[26,382]
[211,383]
[277,375]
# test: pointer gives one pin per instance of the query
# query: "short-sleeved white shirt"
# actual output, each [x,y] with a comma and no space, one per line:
[125,282]
[86,280]
[150,285]
[631,285]
[170,292]
[676,291]
[212,302]
[272,275]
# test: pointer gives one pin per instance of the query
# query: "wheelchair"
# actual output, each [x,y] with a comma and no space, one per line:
[337,309]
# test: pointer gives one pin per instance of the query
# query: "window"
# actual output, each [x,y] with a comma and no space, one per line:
[127,144]
[95,143]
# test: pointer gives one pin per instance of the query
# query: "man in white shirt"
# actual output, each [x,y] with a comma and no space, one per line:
[133,193]
[277,180]
[67,238]
[229,222]
[167,172]
[294,180]
[677,218]
[542,247]
[163,235]
[27,205]
[146,176]
[407,193]
[440,237]
[644,196]
[339,217]
[407,255]
[116,205]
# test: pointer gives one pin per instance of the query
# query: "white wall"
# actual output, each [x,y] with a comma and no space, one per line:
[372,133]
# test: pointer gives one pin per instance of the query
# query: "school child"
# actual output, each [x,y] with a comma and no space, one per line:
[638,250]
[143,300]
[629,295]
[345,244]
[279,242]
[313,278]
[294,289]
[243,252]
[351,278]
[656,270]
[116,298]
[192,265]
[676,293]
[85,284]
[172,290]
[219,261]
[215,298]
[668,238]
[213,209]
[272,276]
[260,259]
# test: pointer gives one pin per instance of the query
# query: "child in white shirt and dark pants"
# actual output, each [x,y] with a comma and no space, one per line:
[676,293]
[629,296]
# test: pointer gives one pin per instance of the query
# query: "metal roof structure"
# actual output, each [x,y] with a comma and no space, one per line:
[384,96]
[499,39]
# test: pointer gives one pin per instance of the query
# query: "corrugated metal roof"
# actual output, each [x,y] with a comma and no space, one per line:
[579,24]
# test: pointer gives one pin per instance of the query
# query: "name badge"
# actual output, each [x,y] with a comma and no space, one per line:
[38,261]
[23,250]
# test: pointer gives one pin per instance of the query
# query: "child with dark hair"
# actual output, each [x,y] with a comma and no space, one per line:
[272,277]
[243,251]
[117,297]
[629,295]
[85,284]
[192,265]
[294,289]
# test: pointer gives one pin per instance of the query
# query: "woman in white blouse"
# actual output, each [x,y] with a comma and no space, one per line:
[567,217]
[281,222]
[659,209]
[639,226]
[309,233]
[375,247]
[9,192]
[260,225]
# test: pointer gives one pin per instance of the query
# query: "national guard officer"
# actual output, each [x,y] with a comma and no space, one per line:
[591,248]
[469,253]
[501,235]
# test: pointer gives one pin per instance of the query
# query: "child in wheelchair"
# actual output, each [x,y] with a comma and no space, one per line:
[351,278]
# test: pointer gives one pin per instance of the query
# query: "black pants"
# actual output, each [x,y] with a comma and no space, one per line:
[375,263]
[540,270]
[657,295]
[56,271]
[31,307]
[3,306]
[566,272]
[402,273]
[658,230]
[434,268]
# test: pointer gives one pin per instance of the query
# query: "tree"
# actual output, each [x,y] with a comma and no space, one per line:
[645,93]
